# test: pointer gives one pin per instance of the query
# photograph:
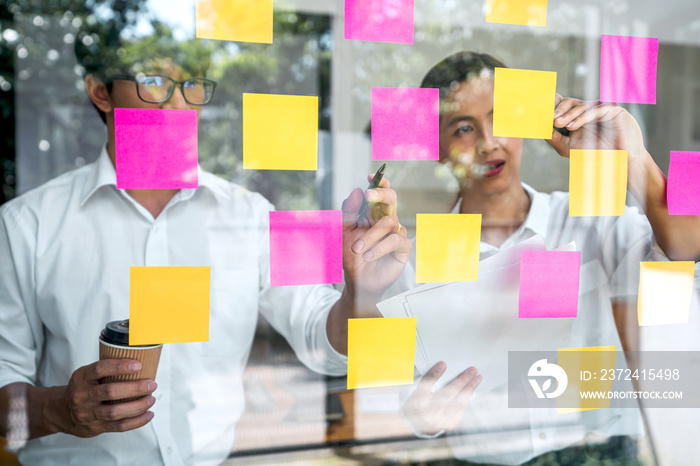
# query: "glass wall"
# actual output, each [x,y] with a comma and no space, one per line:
[292,413]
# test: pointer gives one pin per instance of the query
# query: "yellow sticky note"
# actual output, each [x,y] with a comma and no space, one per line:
[665,292]
[169,305]
[522,12]
[447,247]
[588,370]
[381,352]
[597,182]
[280,132]
[236,20]
[523,103]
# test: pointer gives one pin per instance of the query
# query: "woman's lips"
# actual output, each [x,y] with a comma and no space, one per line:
[491,168]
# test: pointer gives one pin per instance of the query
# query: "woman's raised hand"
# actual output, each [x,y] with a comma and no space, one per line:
[595,126]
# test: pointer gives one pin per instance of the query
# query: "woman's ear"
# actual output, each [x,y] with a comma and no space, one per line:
[98,93]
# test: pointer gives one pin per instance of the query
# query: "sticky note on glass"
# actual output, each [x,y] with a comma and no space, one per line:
[523,103]
[665,292]
[155,148]
[597,182]
[405,123]
[291,145]
[306,247]
[169,305]
[522,12]
[381,352]
[628,69]
[235,20]
[379,20]
[683,190]
[575,361]
[549,282]
[447,247]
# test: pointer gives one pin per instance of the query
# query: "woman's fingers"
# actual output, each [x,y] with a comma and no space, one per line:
[463,397]
[382,184]
[383,227]
[450,391]
[445,409]
[395,243]
[570,110]
[428,380]
[454,410]
[557,100]
[599,113]
[383,201]
[563,105]
[351,207]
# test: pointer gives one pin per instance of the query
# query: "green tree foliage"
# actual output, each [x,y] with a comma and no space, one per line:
[37,39]
[298,63]
[38,57]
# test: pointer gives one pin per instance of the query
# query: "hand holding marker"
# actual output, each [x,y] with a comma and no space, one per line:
[372,185]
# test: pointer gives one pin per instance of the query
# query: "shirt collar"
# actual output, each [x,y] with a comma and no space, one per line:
[104,174]
[537,218]
[214,184]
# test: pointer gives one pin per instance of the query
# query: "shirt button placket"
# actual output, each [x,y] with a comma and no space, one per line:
[157,244]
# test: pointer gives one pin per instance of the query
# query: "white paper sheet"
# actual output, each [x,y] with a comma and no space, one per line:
[476,323]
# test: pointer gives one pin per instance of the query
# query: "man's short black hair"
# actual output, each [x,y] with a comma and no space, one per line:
[103,52]
[97,51]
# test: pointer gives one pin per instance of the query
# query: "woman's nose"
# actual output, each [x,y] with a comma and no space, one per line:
[487,142]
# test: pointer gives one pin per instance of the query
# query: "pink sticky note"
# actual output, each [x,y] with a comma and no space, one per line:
[405,123]
[155,148]
[683,190]
[549,283]
[306,247]
[379,20]
[628,69]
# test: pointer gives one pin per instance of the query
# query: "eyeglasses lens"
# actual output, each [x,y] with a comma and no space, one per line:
[157,89]
[197,91]
[154,88]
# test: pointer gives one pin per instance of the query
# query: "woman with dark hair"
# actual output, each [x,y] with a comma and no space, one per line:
[488,171]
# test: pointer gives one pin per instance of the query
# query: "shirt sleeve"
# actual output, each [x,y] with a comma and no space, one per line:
[299,313]
[629,242]
[20,333]
[407,279]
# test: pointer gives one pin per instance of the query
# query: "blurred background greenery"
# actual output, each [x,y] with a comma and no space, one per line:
[42,94]
[49,126]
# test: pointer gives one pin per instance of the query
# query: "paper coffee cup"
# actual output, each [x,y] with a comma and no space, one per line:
[114,344]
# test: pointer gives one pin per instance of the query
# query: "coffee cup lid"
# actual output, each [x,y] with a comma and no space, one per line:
[117,333]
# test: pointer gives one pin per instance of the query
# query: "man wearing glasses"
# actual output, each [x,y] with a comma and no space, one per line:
[155,89]
[66,250]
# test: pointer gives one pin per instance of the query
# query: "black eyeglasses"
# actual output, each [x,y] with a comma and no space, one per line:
[155,89]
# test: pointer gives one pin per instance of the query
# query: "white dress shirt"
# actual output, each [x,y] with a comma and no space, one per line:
[611,249]
[66,249]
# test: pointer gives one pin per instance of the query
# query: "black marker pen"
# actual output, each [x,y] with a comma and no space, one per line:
[372,184]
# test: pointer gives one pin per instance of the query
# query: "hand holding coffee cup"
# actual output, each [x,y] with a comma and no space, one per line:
[112,394]
[87,407]
[114,344]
